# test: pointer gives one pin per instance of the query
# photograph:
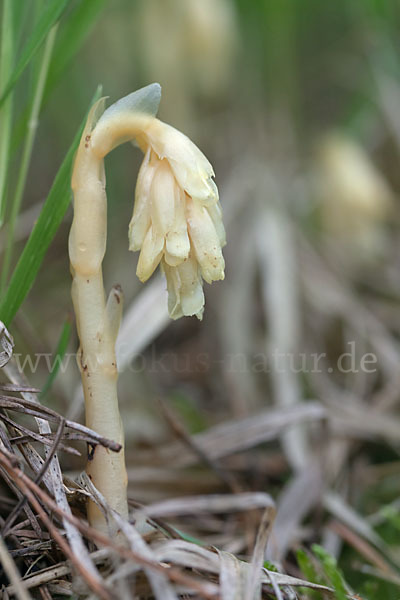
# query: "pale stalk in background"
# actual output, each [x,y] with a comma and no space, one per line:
[281,301]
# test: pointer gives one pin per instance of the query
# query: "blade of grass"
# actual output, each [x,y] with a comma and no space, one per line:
[50,16]
[331,571]
[6,64]
[27,153]
[309,572]
[22,14]
[58,357]
[71,36]
[42,234]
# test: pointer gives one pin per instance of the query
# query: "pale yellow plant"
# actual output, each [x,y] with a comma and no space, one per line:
[176,223]
[196,51]
[356,198]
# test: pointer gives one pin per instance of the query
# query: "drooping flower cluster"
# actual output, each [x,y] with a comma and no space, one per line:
[177,219]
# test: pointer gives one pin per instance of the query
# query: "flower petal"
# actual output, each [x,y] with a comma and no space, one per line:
[140,221]
[173,287]
[150,255]
[215,213]
[177,241]
[205,242]
[191,168]
[162,196]
[171,260]
[192,295]
[185,289]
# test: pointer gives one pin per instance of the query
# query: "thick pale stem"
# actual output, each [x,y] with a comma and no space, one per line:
[97,328]
[119,128]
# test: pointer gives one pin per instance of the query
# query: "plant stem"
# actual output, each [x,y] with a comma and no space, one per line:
[97,321]
[97,324]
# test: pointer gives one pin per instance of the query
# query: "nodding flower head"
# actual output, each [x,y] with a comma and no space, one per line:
[177,219]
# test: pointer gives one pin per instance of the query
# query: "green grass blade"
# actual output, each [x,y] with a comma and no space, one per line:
[40,82]
[71,36]
[309,572]
[50,16]
[331,571]
[6,64]
[58,357]
[22,14]
[41,236]
[188,538]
